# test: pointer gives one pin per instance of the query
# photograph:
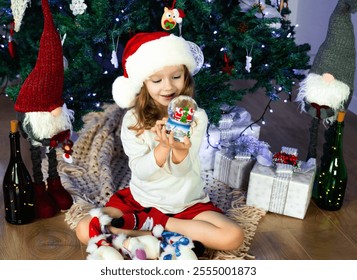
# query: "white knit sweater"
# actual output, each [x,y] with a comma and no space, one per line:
[172,187]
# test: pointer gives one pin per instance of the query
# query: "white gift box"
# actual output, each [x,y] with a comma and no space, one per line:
[286,193]
[233,172]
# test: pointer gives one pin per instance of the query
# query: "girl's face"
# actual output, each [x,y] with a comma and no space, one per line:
[166,84]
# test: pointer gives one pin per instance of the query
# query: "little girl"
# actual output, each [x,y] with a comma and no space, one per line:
[166,186]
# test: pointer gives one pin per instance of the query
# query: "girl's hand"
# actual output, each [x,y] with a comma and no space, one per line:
[167,143]
[179,149]
[162,150]
[179,146]
[160,130]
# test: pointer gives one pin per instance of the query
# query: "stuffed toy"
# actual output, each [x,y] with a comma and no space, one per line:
[146,247]
[160,244]
[328,87]
[176,247]
[45,120]
[100,249]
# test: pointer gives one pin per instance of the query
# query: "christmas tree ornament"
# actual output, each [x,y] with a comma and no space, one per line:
[78,7]
[157,49]
[18,8]
[45,119]
[114,59]
[228,67]
[181,112]
[11,45]
[171,17]
[248,60]
[242,27]
[65,60]
[265,10]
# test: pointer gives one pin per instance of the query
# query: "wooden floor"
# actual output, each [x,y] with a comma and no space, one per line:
[321,235]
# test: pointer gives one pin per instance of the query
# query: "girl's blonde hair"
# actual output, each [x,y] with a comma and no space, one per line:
[148,112]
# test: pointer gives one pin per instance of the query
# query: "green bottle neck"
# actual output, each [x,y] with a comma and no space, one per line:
[15,152]
[338,143]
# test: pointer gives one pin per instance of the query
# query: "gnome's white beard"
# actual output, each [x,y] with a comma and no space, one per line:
[45,125]
[314,89]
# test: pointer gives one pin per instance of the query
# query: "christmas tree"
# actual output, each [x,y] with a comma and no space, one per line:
[246,39]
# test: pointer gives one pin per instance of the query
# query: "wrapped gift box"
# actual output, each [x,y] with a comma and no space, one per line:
[232,124]
[286,193]
[233,171]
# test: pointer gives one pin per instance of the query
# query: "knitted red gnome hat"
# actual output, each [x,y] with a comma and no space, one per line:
[42,90]
[147,53]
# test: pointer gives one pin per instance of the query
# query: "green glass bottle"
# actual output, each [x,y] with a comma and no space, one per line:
[17,184]
[331,180]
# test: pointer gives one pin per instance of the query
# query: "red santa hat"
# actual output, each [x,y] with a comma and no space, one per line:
[147,53]
[42,90]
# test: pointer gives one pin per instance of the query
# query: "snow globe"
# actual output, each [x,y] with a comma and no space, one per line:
[181,114]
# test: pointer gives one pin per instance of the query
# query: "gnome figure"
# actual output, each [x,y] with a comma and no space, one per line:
[45,120]
[328,87]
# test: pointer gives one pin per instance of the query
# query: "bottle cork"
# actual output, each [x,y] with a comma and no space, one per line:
[341,116]
[14,126]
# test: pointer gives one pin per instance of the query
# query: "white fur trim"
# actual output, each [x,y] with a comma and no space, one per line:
[155,55]
[96,212]
[92,243]
[157,230]
[104,219]
[118,241]
[149,58]
[124,92]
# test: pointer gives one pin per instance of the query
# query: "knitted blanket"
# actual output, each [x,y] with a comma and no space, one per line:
[100,167]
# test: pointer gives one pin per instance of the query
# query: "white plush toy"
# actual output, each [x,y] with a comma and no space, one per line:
[100,249]
[161,244]
[176,247]
[146,247]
